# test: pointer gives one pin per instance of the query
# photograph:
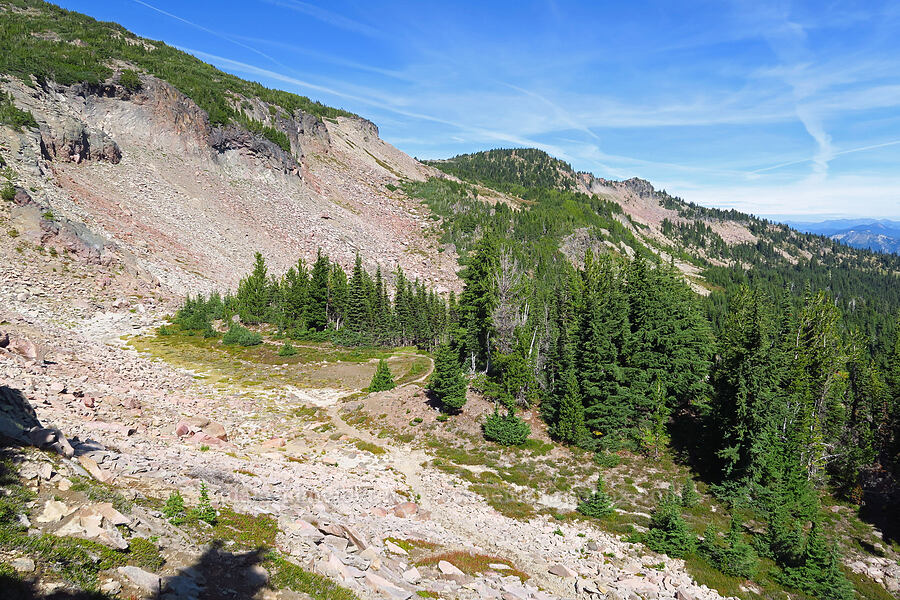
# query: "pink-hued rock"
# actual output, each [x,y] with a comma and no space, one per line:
[194,425]
[405,509]
[24,348]
[273,443]
[97,472]
[203,439]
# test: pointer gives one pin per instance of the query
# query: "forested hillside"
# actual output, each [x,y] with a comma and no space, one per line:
[781,385]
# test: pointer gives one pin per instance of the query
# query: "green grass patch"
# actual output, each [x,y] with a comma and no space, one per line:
[369,447]
[285,574]
[473,564]
[144,554]
[247,531]
[100,492]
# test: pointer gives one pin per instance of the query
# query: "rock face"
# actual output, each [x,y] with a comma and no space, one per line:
[70,140]
[101,164]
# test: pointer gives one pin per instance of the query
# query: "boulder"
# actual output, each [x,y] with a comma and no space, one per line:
[97,472]
[682,594]
[24,347]
[412,575]
[22,565]
[53,512]
[562,571]
[149,582]
[449,571]
[394,548]
[405,509]
[385,588]
[91,523]
[201,425]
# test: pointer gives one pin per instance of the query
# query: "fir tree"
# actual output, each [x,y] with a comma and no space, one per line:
[478,300]
[254,293]
[338,296]
[602,327]
[598,504]
[668,532]
[317,308]
[383,379]
[818,572]
[358,300]
[689,495]
[447,382]
[569,426]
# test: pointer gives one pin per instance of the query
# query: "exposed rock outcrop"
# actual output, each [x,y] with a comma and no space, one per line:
[67,139]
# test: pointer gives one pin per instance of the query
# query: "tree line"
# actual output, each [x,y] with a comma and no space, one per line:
[322,301]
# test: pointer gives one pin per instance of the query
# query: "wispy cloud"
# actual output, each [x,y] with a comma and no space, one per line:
[331,18]
[213,32]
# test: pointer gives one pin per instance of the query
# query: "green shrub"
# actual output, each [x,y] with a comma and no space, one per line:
[145,554]
[383,379]
[287,350]
[598,504]
[607,460]
[173,509]
[8,192]
[668,533]
[506,430]
[12,116]
[241,336]
[130,80]
[689,495]
[204,510]
[734,557]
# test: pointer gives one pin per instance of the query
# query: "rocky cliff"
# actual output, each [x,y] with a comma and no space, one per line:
[189,202]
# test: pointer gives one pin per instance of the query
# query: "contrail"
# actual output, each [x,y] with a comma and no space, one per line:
[841,153]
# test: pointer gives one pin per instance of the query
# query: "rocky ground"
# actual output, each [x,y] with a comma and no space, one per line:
[337,492]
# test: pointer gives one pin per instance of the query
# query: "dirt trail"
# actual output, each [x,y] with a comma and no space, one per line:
[405,460]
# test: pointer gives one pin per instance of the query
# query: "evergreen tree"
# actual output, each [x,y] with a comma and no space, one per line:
[296,295]
[358,300]
[653,435]
[317,308]
[602,327]
[478,300]
[748,407]
[569,423]
[338,296]
[383,379]
[598,504]
[447,382]
[254,293]
[668,532]
[689,495]
[818,571]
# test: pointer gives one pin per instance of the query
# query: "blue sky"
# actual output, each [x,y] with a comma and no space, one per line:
[782,109]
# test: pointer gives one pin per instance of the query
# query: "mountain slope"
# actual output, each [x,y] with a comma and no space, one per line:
[715,249]
[173,164]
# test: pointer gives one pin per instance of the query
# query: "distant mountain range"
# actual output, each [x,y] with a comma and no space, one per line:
[880,235]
